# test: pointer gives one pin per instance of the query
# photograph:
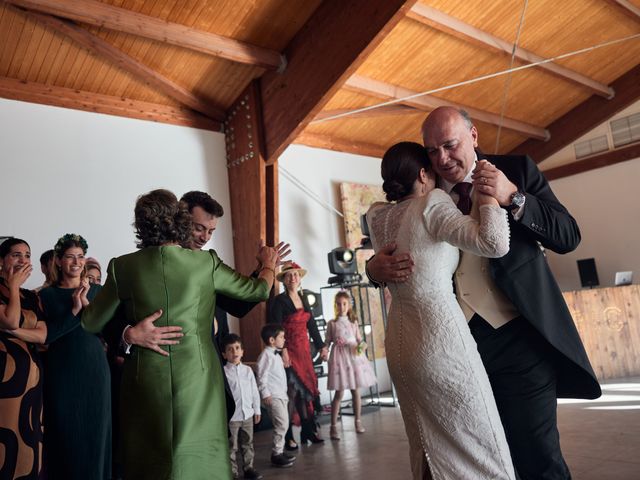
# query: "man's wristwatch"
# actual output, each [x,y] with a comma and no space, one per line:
[517,200]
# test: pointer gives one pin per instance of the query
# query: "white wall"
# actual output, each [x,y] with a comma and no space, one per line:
[605,204]
[72,171]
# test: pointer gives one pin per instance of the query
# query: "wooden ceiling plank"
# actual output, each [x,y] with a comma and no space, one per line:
[448,24]
[93,102]
[627,7]
[339,145]
[102,49]
[100,14]
[14,45]
[334,42]
[601,160]
[584,117]
[397,109]
[387,91]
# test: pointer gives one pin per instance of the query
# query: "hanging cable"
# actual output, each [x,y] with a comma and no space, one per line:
[479,79]
[307,191]
[505,93]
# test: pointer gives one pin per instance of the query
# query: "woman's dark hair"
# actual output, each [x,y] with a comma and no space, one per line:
[160,218]
[5,247]
[400,168]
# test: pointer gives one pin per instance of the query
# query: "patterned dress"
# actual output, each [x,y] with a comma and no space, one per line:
[20,395]
[447,404]
[348,370]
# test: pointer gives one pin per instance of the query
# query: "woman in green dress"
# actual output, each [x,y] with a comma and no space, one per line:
[173,408]
[77,399]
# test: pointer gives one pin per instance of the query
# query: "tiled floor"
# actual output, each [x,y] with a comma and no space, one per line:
[600,440]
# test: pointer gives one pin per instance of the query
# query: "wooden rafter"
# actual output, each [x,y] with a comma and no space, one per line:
[584,117]
[605,159]
[448,24]
[99,14]
[374,112]
[387,91]
[101,48]
[339,145]
[94,102]
[333,43]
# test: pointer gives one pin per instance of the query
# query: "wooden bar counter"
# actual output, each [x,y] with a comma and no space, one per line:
[608,320]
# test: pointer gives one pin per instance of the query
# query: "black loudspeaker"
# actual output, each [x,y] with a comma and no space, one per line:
[588,272]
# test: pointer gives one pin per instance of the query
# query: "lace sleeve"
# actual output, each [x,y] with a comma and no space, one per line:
[489,238]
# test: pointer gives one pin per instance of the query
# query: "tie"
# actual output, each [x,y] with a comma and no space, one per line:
[463,189]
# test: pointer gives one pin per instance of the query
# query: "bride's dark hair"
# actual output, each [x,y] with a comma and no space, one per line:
[400,168]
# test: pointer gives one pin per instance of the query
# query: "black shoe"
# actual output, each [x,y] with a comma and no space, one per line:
[313,438]
[281,461]
[252,474]
[290,445]
[289,456]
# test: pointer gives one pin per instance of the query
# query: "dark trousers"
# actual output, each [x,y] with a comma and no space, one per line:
[519,362]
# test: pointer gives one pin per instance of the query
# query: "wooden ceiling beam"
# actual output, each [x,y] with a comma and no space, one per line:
[601,160]
[584,118]
[93,102]
[387,110]
[339,145]
[327,50]
[427,103]
[451,25]
[627,7]
[99,14]
[103,49]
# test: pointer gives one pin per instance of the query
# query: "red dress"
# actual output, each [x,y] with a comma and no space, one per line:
[296,333]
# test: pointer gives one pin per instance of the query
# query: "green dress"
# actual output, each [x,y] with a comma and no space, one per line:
[77,394]
[173,419]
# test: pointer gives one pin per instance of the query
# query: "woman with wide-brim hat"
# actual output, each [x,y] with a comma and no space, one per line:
[291,310]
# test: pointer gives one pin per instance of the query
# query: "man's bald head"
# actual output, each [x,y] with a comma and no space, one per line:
[450,139]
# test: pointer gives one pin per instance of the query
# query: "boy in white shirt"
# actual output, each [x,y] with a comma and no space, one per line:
[272,383]
[245,393]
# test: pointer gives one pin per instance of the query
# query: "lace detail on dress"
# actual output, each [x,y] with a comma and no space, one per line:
[386,218]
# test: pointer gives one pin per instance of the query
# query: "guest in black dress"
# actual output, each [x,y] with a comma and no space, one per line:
[77,384]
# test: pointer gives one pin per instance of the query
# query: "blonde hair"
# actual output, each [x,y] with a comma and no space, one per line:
[351,314]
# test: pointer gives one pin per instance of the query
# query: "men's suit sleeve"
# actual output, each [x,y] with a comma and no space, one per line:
[237,308]
[544,219]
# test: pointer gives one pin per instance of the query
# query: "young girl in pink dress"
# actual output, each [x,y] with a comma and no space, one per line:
[349,367]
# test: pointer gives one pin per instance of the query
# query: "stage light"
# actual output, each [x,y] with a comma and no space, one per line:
[314,301]
[341,261]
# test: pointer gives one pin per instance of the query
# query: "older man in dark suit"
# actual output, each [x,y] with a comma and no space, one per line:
[523,328]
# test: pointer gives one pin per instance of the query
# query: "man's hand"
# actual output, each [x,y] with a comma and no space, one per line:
[146,334]
[489,180]
[385,267]
[256,418]
[267,401]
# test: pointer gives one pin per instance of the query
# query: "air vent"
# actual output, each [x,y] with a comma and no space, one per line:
[625,130]
[591,146]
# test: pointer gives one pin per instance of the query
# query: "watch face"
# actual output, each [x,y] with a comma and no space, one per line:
[517,200]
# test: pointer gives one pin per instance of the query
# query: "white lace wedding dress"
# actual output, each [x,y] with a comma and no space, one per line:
[447,405]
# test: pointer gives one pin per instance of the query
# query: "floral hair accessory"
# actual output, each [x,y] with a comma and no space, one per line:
[70,238]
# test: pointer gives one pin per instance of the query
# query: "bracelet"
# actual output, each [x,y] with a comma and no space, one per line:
[269,268]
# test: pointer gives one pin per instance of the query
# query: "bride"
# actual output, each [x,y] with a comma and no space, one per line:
[447,405]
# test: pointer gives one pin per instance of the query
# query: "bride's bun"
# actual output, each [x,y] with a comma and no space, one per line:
[394,190]
[400,168]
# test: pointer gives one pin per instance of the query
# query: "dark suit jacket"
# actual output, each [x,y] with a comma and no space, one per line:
[524,275]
